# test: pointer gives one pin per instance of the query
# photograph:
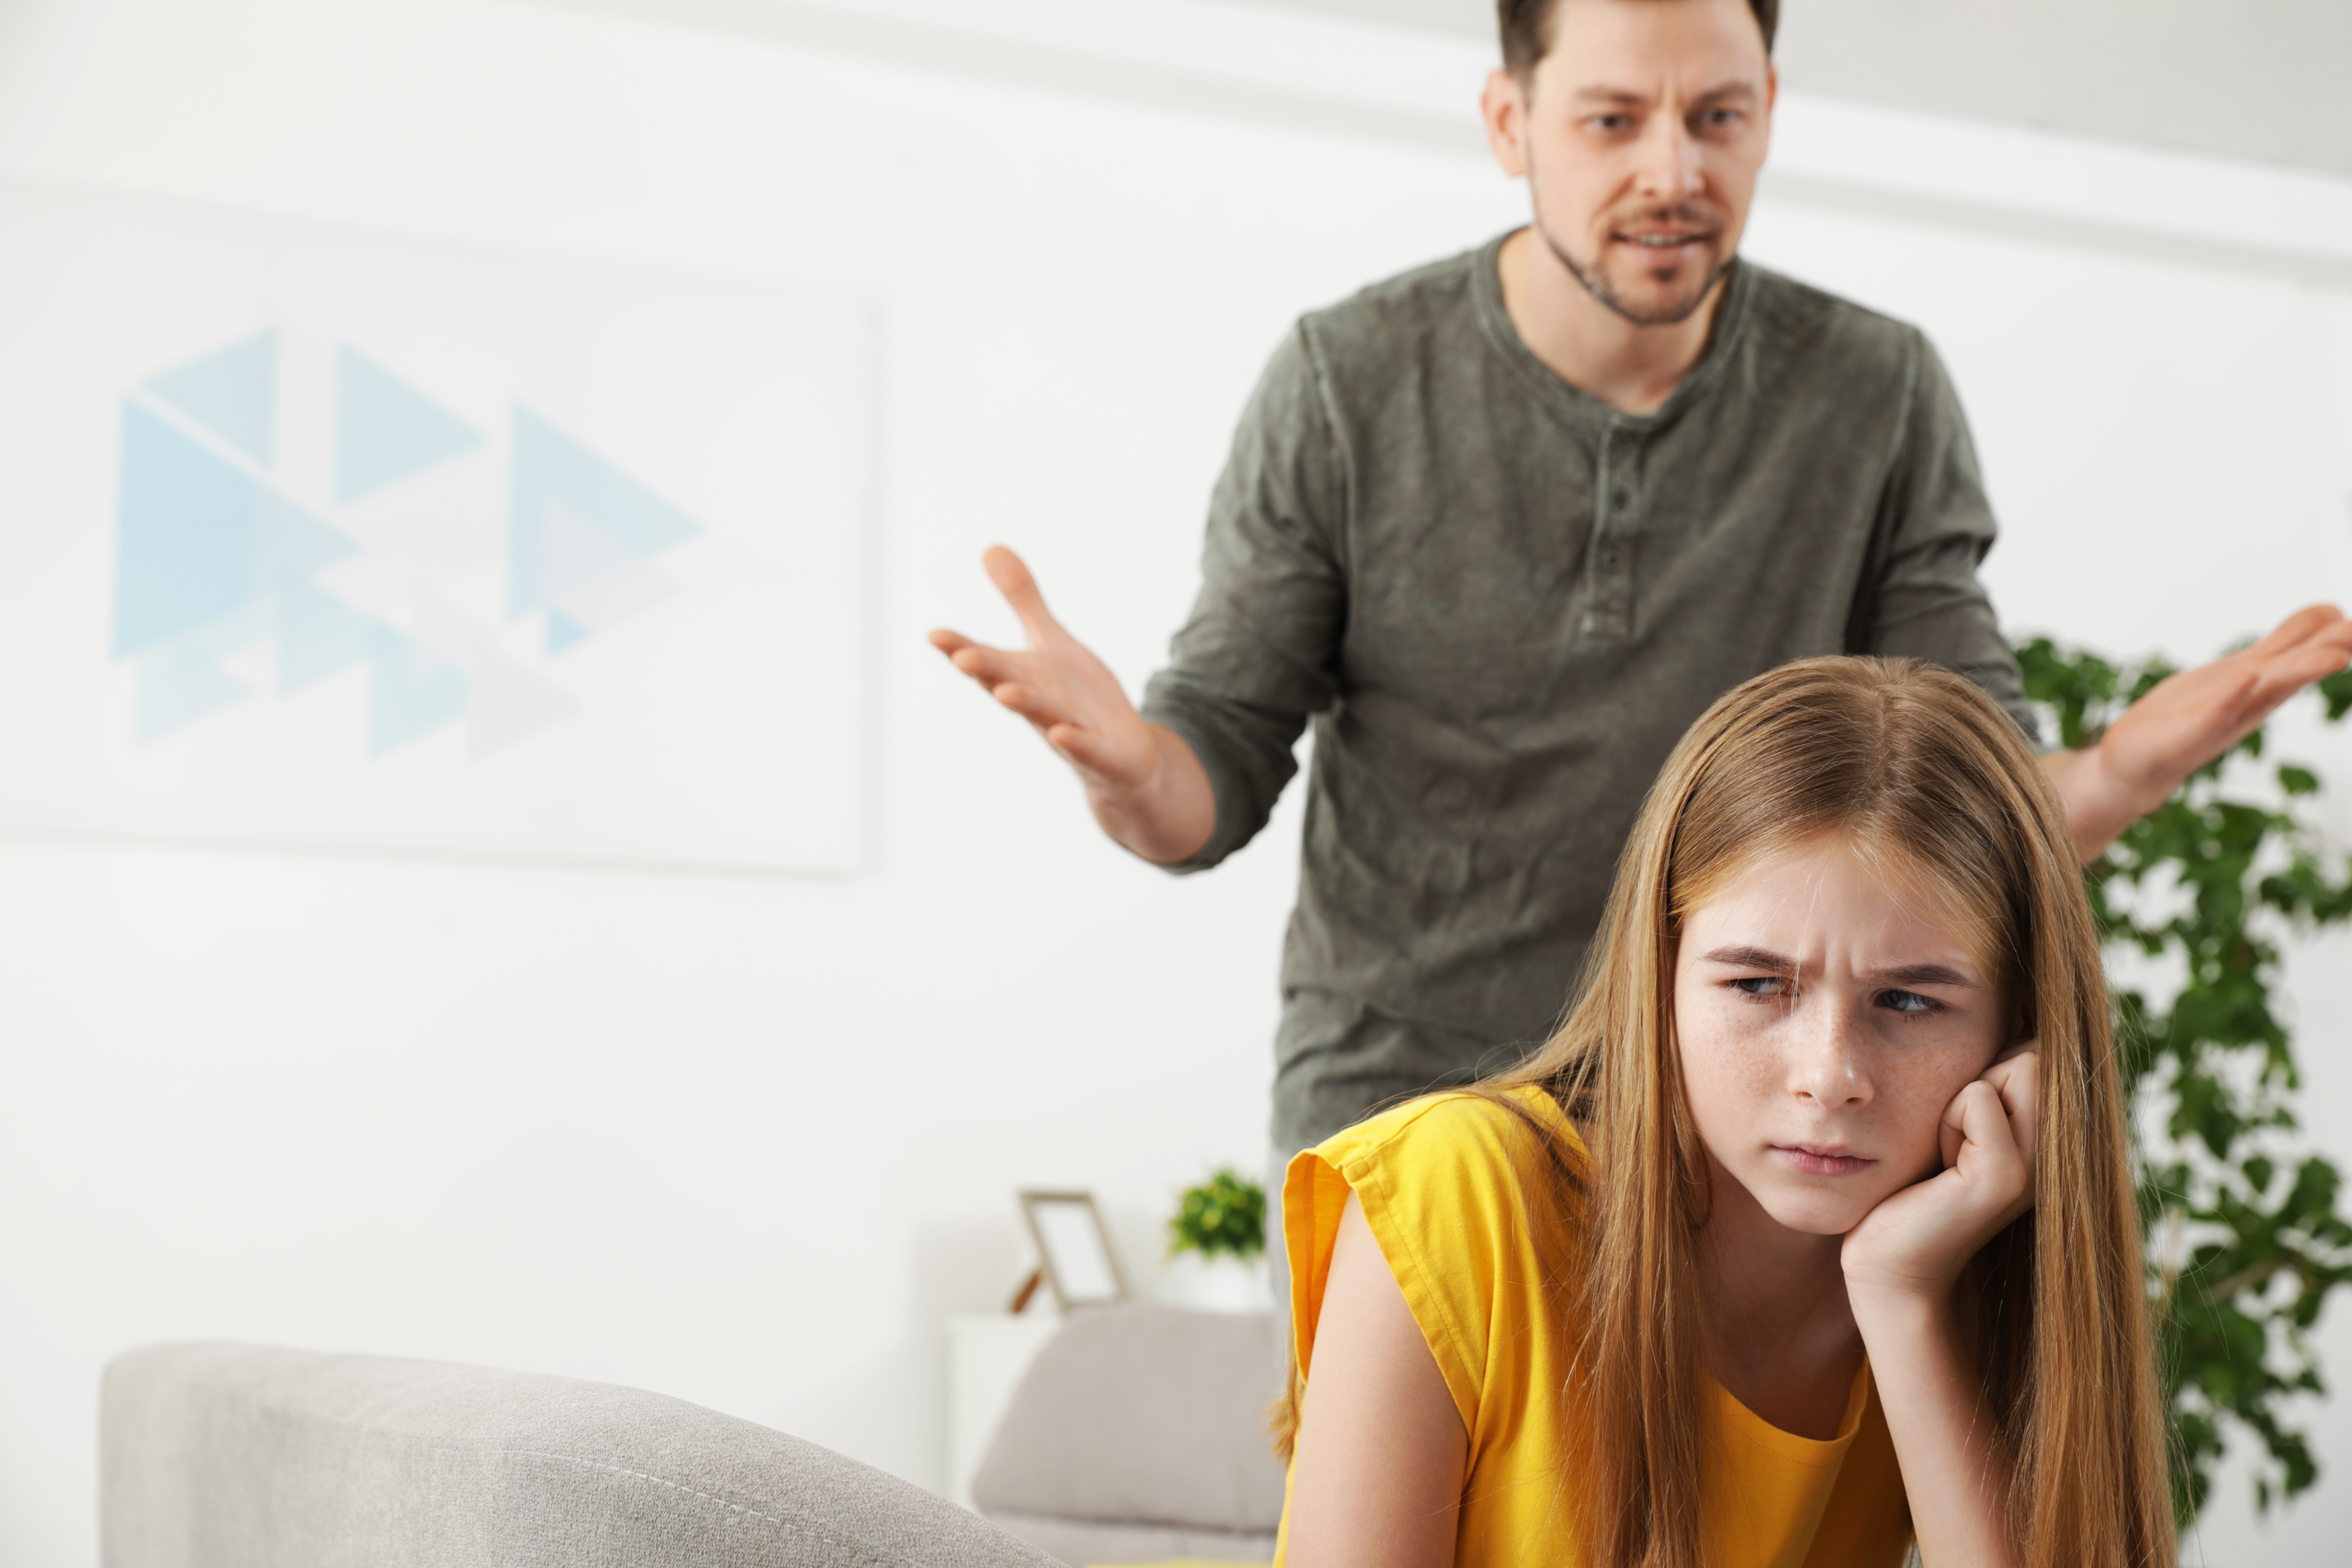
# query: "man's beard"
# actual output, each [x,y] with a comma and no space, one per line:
[1597,284]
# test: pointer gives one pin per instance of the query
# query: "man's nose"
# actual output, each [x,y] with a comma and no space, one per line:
[1669,169]
[1829,1065]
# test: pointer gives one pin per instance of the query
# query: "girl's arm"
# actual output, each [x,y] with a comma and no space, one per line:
[1901,1266]
[1956,1468]
[1377,1477]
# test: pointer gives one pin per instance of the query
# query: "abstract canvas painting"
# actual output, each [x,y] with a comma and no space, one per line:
[321,536]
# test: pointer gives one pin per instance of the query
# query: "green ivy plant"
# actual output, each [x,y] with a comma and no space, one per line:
[1225,1213]
[2245,1240]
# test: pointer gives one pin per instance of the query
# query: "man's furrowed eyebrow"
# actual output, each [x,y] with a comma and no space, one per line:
[1723,93]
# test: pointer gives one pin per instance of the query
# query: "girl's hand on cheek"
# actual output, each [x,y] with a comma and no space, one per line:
[1918,1240]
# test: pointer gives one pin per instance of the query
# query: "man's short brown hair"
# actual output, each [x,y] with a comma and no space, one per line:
[1526,24]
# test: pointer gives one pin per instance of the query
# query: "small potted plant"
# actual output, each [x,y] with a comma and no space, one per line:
[1216,1246]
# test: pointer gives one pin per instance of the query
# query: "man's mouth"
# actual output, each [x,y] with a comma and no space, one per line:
[1822,1159]
[1668,236]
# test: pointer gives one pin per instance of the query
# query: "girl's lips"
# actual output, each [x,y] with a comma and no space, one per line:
[1819,1160]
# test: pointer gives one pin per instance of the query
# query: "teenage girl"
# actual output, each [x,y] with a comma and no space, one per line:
[1809,1234]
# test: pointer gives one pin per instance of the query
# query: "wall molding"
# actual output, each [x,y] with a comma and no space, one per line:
[1000,56]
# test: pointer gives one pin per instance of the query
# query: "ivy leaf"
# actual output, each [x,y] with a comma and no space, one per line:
[2212,1073]
[2335,690]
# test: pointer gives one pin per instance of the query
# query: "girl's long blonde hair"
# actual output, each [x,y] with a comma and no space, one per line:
[1919,769]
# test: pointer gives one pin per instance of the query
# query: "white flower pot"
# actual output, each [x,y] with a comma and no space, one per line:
[1220,1284]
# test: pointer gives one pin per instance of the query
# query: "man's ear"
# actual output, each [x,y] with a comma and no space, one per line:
[1504,108]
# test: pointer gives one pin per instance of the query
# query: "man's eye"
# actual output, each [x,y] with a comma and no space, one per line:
[1717,119]
[1762,985]
[1906,1001]
[1610,124]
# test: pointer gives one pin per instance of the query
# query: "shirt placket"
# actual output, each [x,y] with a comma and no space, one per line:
[1608,618]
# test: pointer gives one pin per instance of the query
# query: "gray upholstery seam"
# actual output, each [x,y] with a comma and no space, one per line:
[813,1534]
[1166,1526]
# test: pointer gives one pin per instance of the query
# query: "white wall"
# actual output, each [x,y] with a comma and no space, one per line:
[746,1141]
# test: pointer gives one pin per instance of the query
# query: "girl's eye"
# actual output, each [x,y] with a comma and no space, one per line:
[1762,985]
[1906,1001]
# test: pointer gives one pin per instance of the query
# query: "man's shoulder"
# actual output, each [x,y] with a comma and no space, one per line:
[1788,317]
[1399,318]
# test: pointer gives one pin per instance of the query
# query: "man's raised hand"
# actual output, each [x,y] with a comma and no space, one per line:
[1056,683]
[1146,786]
[2189,719]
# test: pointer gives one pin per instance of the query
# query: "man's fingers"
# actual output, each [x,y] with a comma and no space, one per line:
[987,665]
[1011,575]
[2290,673]
[2300,627]
[950,643]
[1031,703]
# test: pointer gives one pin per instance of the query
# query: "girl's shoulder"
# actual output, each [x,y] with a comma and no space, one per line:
[1464,1135]
[1460,1192]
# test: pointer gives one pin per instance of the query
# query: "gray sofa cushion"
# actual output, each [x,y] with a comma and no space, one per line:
[214,1455]
[1099,1543]
[1142,1416]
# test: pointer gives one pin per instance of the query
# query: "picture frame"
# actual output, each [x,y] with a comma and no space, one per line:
[1074,1250]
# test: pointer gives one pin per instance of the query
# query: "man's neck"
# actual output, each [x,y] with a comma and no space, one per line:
[1584,342]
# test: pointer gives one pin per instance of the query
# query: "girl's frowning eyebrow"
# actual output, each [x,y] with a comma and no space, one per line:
[1906,974]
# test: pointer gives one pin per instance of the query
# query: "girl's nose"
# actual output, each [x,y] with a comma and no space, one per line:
[1828,1064]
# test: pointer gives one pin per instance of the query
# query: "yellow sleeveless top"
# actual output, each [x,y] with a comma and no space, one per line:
[1438,1180]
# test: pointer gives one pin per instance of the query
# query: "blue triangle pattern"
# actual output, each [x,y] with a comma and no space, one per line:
[177,687]
[563,631]
[232,394]
[414,692]
[318,634]
[289,541]
[386,430]
[551,467]
[183,552]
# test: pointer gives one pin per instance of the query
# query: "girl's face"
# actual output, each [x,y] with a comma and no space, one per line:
[1825,1020]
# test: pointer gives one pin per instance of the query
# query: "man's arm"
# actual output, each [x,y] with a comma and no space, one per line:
[1142,781]
[1192,777]
[1925,600]
[2188,722]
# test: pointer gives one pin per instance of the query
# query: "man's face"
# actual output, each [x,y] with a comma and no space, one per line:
[1640,133]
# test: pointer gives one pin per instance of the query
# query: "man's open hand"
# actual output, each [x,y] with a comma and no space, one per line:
[2189,719]
[1146,786]
[1056,683]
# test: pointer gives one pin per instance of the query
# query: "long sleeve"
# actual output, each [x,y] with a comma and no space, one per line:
[1922,598]
[1261,651]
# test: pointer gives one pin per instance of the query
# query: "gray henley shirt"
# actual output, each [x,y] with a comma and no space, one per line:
[1500,601]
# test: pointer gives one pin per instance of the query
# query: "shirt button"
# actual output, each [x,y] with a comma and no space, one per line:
[1622,498]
